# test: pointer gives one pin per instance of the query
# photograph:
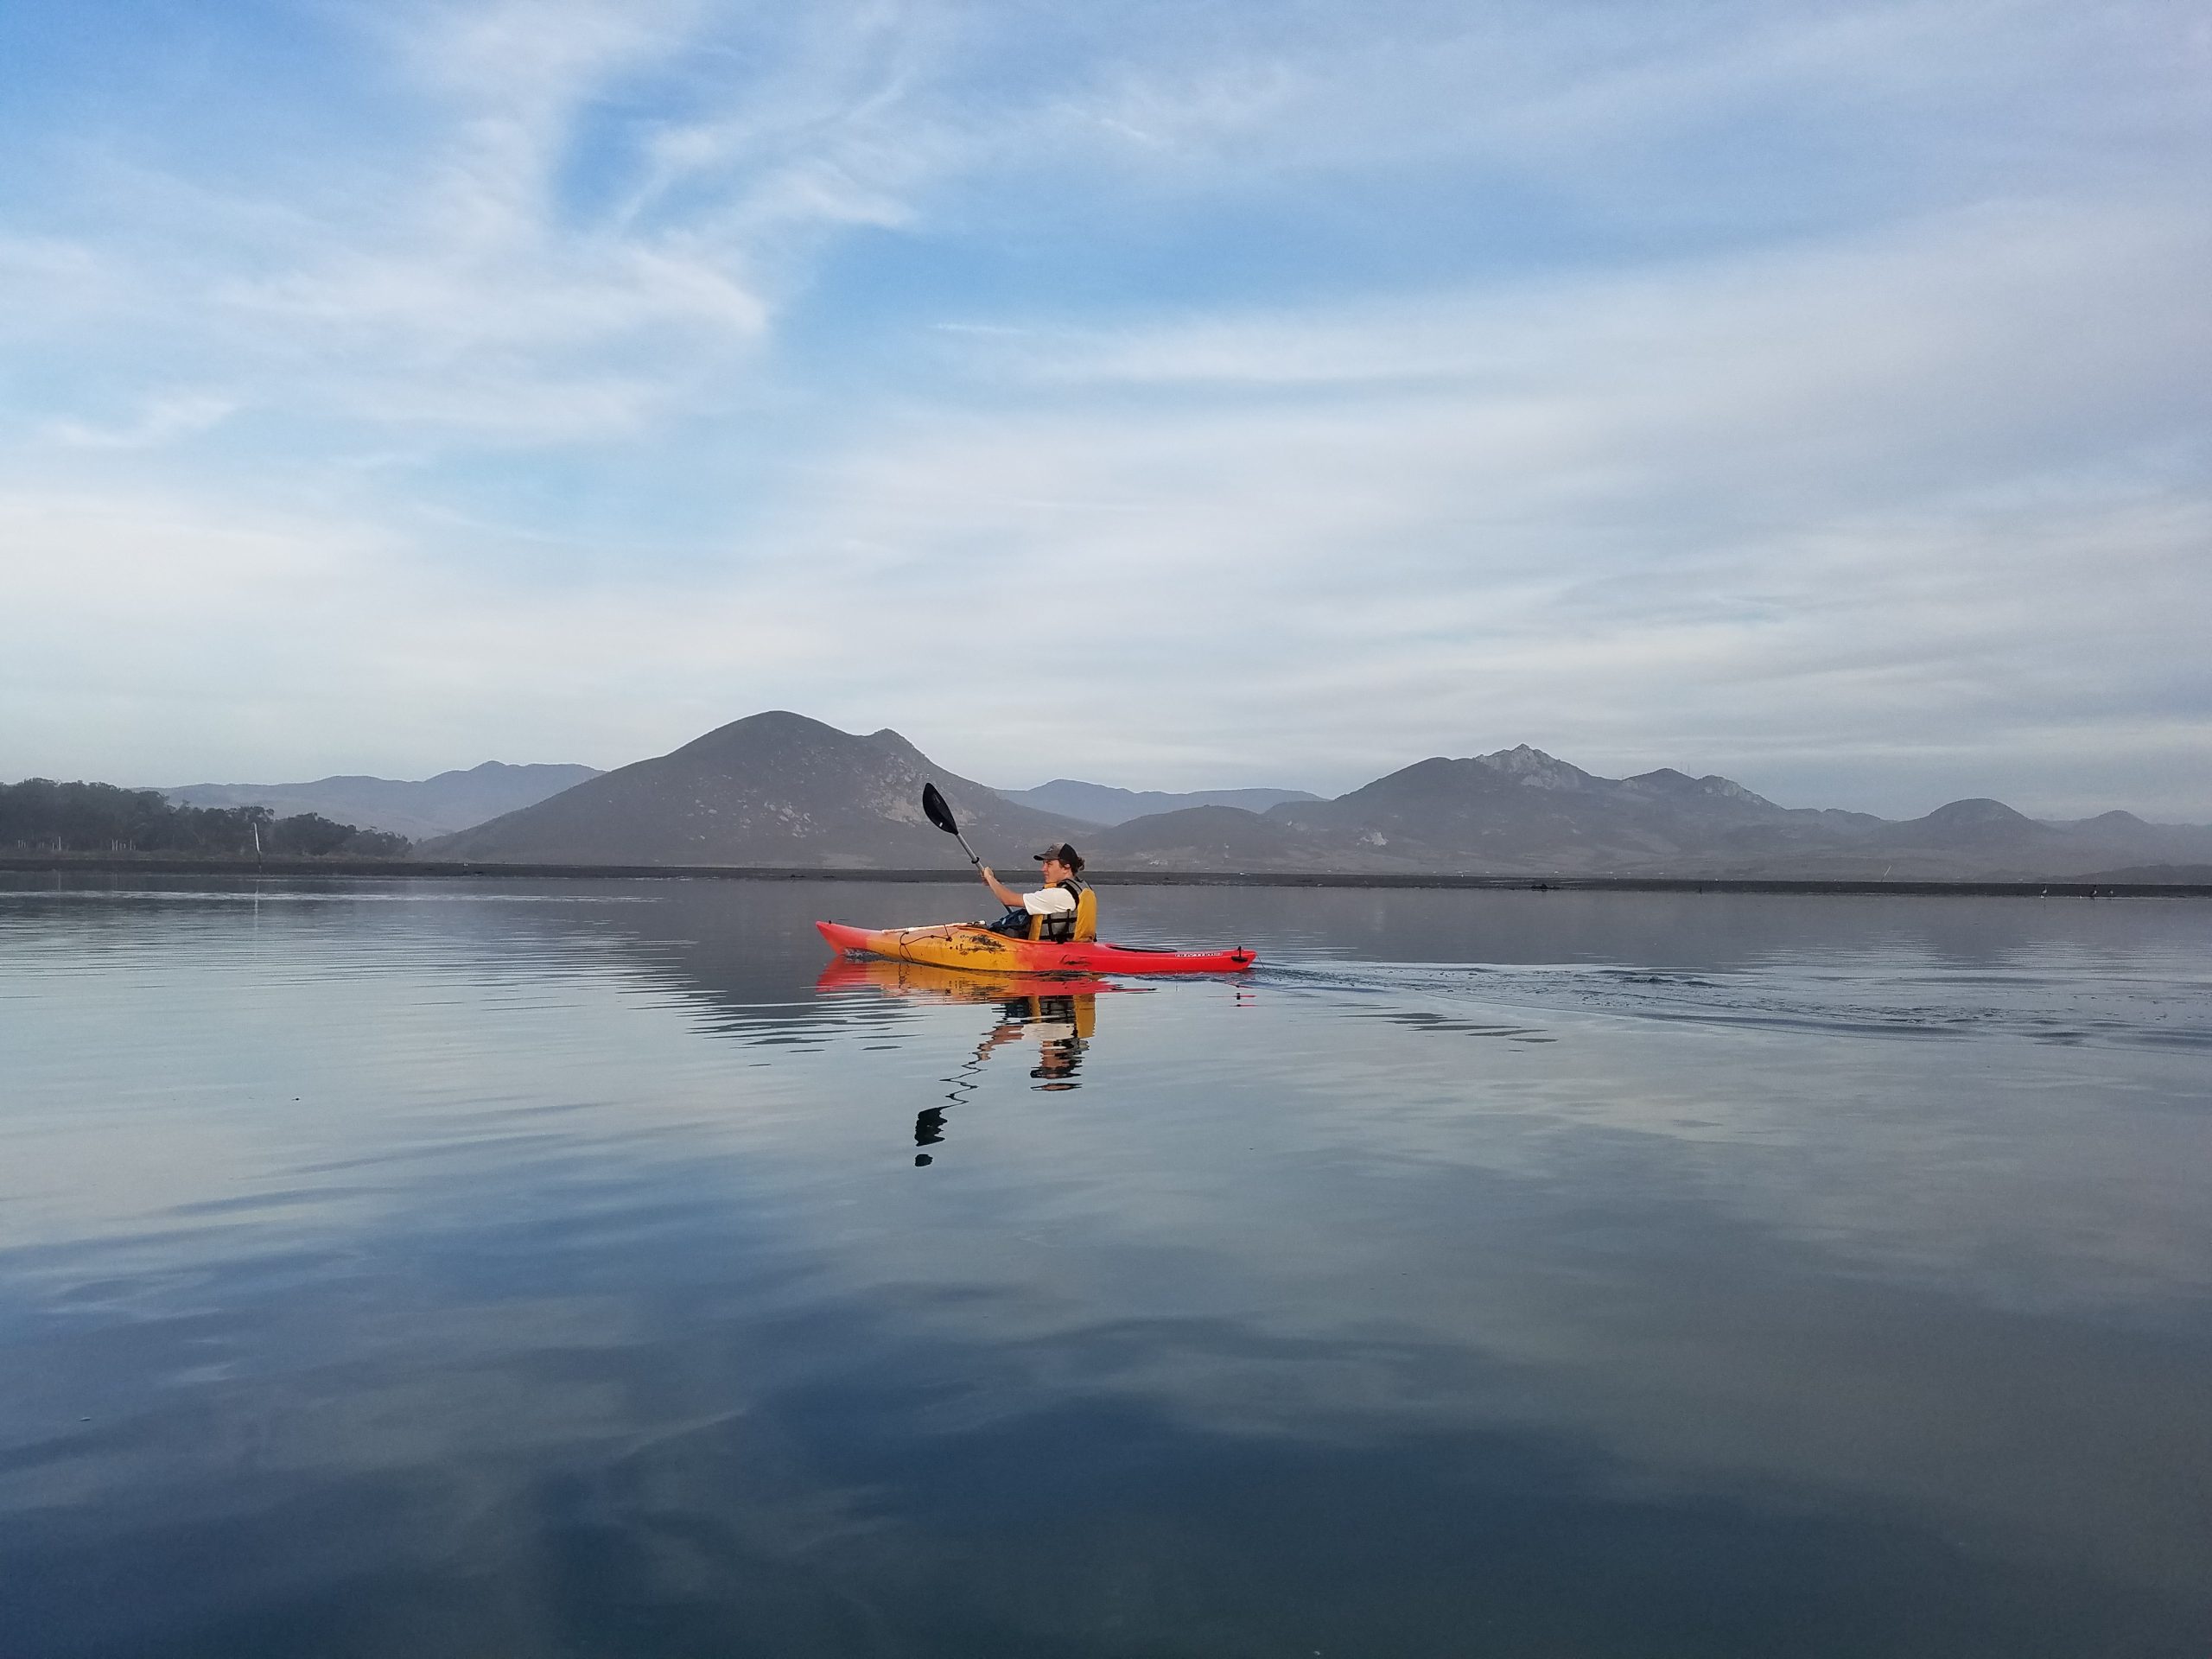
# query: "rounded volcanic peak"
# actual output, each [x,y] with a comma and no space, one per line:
[1977,822]
[1980,810]
[774,789]
[892,742]
[1535,769]
[1479,780]
[1437,778]
[773,735]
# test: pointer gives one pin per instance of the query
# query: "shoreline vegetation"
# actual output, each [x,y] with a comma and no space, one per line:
[78,818]
[245,865]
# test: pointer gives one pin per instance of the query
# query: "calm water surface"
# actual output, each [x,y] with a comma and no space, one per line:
[430,1269]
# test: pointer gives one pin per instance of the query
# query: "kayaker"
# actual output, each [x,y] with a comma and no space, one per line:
[1056,901]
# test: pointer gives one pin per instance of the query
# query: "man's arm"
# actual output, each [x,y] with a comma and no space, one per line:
[1000,891]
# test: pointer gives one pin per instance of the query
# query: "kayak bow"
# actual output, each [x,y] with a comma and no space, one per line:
[970,945]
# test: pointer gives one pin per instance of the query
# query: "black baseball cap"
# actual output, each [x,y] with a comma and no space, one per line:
[1066,853]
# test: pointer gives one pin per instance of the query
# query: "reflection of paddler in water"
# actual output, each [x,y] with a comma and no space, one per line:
[1061,1025]
[1057,1012]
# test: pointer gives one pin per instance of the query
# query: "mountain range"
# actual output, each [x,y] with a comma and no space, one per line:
[417,810]
[1522,811]
[779,790]
[1102,803]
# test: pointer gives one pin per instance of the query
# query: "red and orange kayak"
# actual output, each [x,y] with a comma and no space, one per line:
[974,947]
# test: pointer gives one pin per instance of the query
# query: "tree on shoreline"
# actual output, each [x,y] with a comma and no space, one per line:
[40,814]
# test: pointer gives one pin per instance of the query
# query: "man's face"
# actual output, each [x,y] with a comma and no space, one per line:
[1054,871]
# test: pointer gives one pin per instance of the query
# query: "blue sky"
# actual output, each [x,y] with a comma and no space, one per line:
[1169,394]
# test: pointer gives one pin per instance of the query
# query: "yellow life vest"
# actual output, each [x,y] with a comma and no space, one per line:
[1086,916]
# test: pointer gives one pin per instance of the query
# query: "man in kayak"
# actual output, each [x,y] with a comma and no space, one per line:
[1055,901]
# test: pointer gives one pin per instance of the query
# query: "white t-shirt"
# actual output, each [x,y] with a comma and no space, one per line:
[1051,901]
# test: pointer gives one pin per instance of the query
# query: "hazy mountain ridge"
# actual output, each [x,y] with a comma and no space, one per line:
[1103,805]
[1522,811]
[418,810]
[779,790]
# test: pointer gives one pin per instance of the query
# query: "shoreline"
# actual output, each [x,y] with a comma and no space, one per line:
[411,869]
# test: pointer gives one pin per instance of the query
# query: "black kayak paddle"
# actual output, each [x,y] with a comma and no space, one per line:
[941,815]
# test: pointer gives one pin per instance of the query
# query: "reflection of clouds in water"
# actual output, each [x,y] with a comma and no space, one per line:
[621,1203]
[1702,1354]
[1995,1167]
[1725,1185]
[1699,1355]
[175,1054]
[761,1413]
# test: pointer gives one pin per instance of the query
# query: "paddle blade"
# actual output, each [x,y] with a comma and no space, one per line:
[939,813]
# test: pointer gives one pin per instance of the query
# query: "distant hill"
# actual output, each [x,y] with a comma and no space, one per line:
[775,789]
[1102,803]
[1522,811]
[1215,838]
[2190,875]
[434,806]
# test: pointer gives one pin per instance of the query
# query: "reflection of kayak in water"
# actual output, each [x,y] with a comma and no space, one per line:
[1056,1015]
[1054,1004]
[928,984]
[971,946]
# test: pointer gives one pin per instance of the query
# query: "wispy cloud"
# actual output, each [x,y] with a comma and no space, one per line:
[1816,395]
[157,421]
